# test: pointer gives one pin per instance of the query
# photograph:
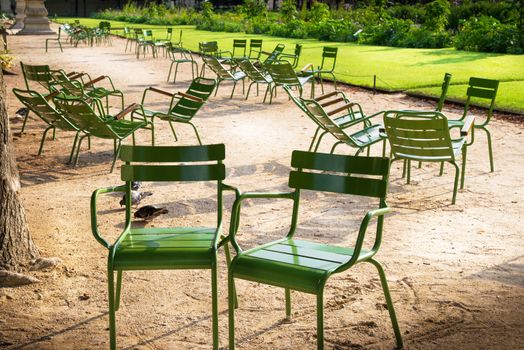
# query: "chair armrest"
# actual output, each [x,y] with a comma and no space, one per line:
[333,101]
[127,110]
[94,81]
[307,67]
[94,221]
[468,124]
[162,92]
[235,211]
[362,232]
[231,188]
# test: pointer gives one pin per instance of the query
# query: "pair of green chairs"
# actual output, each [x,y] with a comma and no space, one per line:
[327,66]
[289,263]
[85,118]
[178,55]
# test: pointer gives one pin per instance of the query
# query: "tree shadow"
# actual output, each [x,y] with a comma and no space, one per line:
[510,272]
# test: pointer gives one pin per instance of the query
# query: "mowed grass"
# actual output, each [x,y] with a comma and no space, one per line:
[418,70]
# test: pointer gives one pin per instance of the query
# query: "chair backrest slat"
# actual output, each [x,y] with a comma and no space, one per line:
[202,87]
[364,176]
[212,172]
[173,154]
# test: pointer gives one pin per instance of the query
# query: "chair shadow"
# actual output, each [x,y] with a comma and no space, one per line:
[510,272]
[32,343]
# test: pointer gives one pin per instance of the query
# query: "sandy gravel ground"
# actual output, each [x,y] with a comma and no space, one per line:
[456,272]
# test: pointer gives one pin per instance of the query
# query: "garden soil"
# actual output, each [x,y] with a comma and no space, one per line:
[456,272]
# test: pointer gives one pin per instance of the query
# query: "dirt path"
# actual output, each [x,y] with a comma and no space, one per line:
[456,272]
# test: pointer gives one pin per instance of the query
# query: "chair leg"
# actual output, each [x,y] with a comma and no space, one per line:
[73,149]
[389,302]
[334,146]
[249,89]
[218,84]
[267,90]
[173,130]
[112,318]
[43,139]
[196,133]
[233,91]
[228,261]
[25,121]
[170,68]
[117,152]
[288,303]
[231,309]
[78,149]
[176,71]
[313,139]
[214,306]
[319,140]
[409,171]
[490,150]
[463,175]
[455,186]
[118,289]
[320,320]
[60,44]
[441,172]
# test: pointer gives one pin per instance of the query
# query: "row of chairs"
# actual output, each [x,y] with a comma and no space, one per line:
[70,104]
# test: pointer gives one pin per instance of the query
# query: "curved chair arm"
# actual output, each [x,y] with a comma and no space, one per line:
[378,213]
[161,92]
[127,110]
[469,123]
[94,221]
[235,211]
[232,188]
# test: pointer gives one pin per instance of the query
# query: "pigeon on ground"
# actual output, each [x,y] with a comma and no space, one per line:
[149,212]
[22,112]
[136,197]
[135,185]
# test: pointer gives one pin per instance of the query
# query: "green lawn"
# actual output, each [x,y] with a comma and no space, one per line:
[419,70]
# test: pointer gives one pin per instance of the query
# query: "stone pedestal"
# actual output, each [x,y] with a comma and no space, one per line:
[20,14]
[36,21]
[5,6]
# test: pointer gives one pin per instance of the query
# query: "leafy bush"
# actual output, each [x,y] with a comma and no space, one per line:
[487,34]
[437,13]
[389,32]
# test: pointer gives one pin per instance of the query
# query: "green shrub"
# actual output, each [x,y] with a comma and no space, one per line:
[391,32]
[288,10]
[415,13]
[319,12]
[437,13]
[487,34]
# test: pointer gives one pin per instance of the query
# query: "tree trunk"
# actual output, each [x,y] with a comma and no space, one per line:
[16,245]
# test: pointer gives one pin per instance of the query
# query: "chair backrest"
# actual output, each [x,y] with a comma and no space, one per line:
[483,89]
[73,88]
[252,72]
[255,48]
[83,116]
[241,45]
[169,34]
[40,74]
[104,25]
[276,52]
[209,48]
[37,104]
[329,54]
[202,88]
[362,176]
[444,92]
[147,34]
[282,73]
[126,31]
[138,32]
[419,135]
[180,163]
[217,67]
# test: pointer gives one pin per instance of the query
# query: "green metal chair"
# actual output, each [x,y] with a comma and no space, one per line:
[283,74]
[87,90]
[444,92]
[165,43]
[327,66]
[156,248]
[98,124]
[273,56]
[424,136]
[130,37]
[224,74]
[57,39]
[479,88]
[305,266]
[38,104]
[179,55]
[292,58]
[256,76]
[239,45]
[146,41]
[182,106]
[210,48]
[255,49]
[335,123]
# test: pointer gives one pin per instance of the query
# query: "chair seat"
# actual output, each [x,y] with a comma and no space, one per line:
[455,123]
[122,128]
[166,248]
[290,263]
[239,75]
[368,136]
[305,79]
